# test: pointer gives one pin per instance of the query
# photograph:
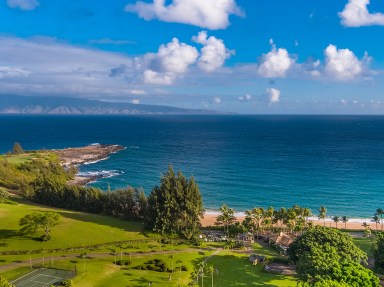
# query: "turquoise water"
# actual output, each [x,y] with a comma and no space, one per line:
[245,161]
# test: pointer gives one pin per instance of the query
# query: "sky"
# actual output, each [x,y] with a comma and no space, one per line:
[241,56]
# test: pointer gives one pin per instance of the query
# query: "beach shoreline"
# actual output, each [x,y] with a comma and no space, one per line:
[352,224]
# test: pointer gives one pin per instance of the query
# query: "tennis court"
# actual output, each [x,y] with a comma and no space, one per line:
[43,277]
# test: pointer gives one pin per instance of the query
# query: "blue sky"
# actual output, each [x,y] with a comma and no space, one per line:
[245,56]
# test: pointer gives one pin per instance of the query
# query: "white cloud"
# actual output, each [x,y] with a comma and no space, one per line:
[152,77]
[213,54]
[275,64]
[245,98]
[342,64]
[217,100]
[23,4]
[211,14]
[137,92]
[12,72]
[171,61]
[356,14]
[135,101]
[273,95]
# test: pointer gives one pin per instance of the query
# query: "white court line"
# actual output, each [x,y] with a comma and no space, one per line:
[24,276]
[32,279]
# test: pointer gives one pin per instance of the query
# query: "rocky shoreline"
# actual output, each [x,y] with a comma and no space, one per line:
[73,157]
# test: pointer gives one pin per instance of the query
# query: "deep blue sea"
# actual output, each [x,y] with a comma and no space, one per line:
[245,161]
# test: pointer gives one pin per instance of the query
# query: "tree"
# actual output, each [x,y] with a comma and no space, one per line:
[323,253]
[35,223]
[380,212]
[3,195]
[376,220]
[322,213]
[176,206]
[226,218]
[344,219]
[5,283]
[336,220]
[17,149]
[378,251]
[211,271]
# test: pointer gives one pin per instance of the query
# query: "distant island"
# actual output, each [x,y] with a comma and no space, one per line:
[40,105]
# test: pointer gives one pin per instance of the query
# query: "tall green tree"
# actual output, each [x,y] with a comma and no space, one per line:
[226,218]
[3,195]
[17,149]
[176,206]
[36,223]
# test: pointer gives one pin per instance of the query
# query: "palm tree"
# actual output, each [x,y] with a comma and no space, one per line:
[211,270]
[380,212]
[268,216]
[344,219]
[376,220]
[201,267]
[179,262]
[336,219]
[322,213]
[227,217]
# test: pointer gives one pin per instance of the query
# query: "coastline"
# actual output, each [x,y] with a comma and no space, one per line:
[73,157]
[352,224]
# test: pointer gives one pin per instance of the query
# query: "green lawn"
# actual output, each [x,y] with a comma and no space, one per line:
[365,244]
[25,157]
[236,270]
[75,228]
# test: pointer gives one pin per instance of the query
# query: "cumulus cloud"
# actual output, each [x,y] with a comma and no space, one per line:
[135,101]
[356,14]
[23,4]
[342,64]
[217,100]
[211,14]
[275,64]
[273,95]
[245,98]
[213,54]
[171,60]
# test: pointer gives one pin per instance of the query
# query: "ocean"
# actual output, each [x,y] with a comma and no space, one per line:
[244,161]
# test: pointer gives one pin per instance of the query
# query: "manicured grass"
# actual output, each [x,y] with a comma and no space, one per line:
[25,157]
[365,244]
[75,228]
[236,270]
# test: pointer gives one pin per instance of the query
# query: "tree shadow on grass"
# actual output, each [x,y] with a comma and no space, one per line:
[132,226]
[7,234]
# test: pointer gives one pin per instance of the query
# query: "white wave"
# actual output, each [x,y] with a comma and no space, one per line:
[100,173]
[94,144]
[95,161]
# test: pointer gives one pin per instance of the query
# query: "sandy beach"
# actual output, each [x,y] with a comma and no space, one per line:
[210,218]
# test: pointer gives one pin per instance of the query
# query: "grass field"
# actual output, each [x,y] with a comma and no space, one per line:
[75,228]
[236,270]
[25,157]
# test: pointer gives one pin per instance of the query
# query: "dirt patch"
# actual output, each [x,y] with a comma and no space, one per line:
[281,268]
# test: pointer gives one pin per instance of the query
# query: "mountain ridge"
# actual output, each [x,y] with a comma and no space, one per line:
[15,104]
